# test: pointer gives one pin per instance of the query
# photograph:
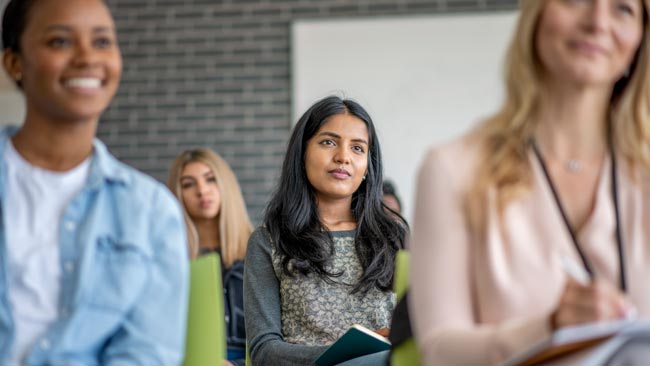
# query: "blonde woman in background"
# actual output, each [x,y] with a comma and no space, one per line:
[217,221]
[558,177]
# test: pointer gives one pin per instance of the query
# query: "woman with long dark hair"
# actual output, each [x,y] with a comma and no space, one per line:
[324,259]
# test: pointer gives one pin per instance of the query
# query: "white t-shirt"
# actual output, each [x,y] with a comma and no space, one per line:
[35,201]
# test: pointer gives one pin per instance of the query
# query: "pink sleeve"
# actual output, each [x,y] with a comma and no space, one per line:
[443,305]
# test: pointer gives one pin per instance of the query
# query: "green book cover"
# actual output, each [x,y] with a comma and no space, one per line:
[356,342]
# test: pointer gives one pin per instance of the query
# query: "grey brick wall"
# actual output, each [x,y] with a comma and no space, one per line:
[217,73]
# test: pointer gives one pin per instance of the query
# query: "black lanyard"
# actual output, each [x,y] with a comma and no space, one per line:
[574,238]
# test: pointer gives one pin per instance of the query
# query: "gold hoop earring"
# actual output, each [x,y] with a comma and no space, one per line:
[19,76]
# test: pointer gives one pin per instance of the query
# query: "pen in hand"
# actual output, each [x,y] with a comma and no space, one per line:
[581,276]
[576,272]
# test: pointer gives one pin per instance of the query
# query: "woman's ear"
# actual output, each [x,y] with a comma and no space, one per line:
[13,66]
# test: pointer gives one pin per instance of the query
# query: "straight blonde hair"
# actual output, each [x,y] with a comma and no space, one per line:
[234,224]
[505,136]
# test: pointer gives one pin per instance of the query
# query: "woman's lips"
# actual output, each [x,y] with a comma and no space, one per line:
[340,173]
[588,48]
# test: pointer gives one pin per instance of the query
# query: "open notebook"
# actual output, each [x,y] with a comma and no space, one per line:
[568,339]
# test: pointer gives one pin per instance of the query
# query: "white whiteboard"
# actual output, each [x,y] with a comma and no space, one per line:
[423,79]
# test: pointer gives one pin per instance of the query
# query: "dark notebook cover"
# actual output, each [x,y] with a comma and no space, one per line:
[356,342]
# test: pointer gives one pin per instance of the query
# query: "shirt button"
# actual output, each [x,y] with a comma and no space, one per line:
[45,344]
[68,266]
[70,225]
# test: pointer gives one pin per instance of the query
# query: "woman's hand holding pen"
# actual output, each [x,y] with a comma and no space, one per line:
[590,302]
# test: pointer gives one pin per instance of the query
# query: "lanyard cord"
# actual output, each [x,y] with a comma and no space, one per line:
[617,216]
[574,238]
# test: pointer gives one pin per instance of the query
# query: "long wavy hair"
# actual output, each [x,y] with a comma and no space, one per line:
[506,135]
[292,217]
[234,224]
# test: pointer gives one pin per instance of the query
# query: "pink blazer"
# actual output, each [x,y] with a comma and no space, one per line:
[479,302]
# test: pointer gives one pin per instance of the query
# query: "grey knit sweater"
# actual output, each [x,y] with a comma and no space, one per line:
[292,320]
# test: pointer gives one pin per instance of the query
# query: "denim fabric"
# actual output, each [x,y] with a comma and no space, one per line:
[124,272]
[233,293]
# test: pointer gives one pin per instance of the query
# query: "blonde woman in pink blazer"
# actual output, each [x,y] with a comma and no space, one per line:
[558,177]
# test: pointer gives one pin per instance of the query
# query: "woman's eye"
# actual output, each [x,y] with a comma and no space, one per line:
[626,9]
[59,42]
[358,148]
[212,180]
[187,185]
[327,142]
[103,42]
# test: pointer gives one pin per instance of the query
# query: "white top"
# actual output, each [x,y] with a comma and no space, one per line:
[35,201]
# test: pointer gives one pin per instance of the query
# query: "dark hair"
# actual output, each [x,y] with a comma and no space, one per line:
[14,21]
[292,217]
[388,188]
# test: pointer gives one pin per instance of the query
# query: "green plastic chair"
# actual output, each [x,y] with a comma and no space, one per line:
[402,265]
[407,353]
[205,343]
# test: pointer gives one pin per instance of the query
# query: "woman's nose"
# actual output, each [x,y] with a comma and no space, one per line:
[599,16]
[84,54]
[202,188]
[342,156]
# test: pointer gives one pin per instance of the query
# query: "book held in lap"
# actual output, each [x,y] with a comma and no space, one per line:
[356,342]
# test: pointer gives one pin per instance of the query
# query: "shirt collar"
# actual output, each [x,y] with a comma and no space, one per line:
[104,167]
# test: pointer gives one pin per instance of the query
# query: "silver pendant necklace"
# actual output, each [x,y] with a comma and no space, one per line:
[573,166]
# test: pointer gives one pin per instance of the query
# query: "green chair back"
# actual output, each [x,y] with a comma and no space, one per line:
[205,342]
[407,353]
[402,265]
[248,358]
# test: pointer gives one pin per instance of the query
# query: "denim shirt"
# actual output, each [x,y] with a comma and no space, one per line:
[124,270]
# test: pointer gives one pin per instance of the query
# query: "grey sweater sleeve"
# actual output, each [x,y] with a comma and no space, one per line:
[263,311]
